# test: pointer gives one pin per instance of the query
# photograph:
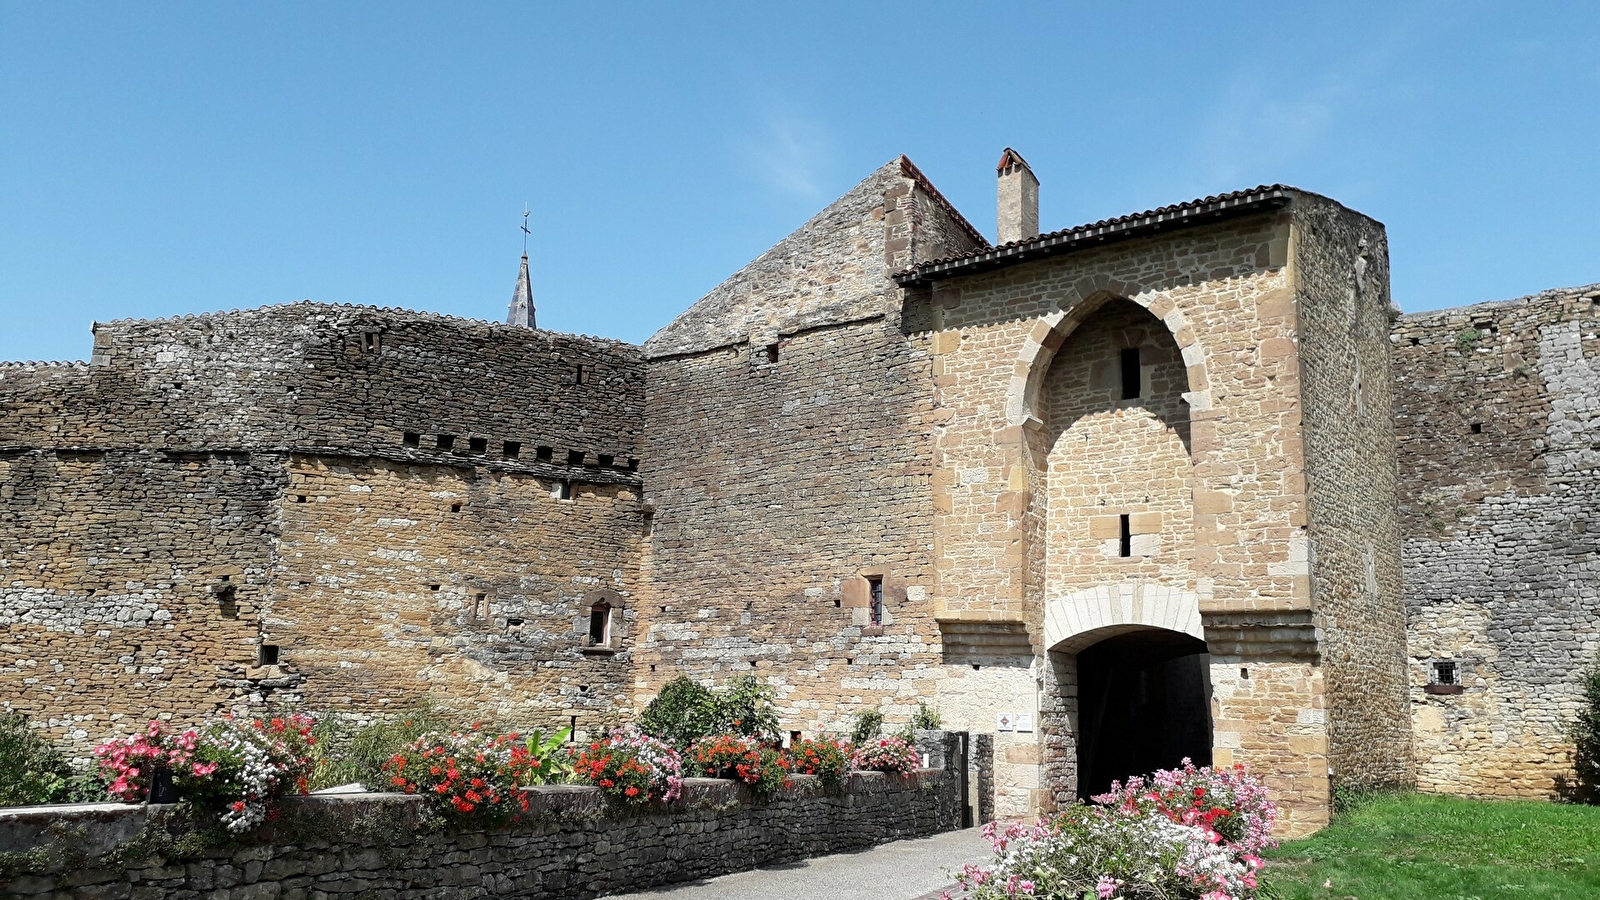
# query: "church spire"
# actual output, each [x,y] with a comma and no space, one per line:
[521,313]
[522,301]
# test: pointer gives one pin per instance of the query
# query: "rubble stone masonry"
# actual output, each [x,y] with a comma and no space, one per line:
[1498,415]
[884,464]
[181,515]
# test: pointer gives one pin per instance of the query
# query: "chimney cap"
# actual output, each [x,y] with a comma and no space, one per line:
[1011,158]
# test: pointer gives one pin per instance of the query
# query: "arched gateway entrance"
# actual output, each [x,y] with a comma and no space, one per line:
[1144,703]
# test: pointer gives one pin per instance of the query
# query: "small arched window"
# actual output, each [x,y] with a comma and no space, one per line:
[600,624]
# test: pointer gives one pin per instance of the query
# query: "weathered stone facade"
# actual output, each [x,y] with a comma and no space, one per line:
[348,507]
[1498,414]
[1134,478]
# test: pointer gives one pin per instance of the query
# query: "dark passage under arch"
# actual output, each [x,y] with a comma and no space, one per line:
[1144,703]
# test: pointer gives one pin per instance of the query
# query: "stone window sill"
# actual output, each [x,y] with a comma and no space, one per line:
[600,651]
[1443,688]
[872,631]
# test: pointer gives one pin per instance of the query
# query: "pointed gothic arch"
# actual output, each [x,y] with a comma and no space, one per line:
[1080,302]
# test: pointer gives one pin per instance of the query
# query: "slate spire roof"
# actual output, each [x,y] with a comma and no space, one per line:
[522,312]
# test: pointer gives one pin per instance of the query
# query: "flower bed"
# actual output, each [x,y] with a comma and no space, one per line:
[1182,833]
[886,754]
[631,768]
[738,758]
[462,775]
[231,768]
[825,758]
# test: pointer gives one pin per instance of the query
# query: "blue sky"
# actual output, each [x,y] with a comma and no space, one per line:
[159,159]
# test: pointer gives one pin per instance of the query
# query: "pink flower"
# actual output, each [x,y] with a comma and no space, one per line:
[1105,887]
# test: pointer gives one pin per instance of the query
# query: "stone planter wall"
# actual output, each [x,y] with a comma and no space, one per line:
[372,845]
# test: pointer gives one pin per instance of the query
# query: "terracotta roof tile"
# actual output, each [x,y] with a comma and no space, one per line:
[1175,215]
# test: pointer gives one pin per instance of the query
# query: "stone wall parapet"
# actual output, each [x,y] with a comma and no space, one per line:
[570,844]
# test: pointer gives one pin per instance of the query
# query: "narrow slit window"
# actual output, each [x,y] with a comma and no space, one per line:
[511,449]
[875,595]
[1130,374]
[371,342]
[1124,536]
[564,491]
[578,374]
[600,625]
[480,605]
[772,353]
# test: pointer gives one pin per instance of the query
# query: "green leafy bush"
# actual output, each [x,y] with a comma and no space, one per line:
[681,714]
[926,718]
[746,707]
[542,760]
[865,725]
[686,711]
[1585,733]
[32,771]
[346,752]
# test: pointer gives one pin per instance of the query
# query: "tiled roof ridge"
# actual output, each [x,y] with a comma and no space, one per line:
[334,305]
[1115,220]
[914,173]
[38,363]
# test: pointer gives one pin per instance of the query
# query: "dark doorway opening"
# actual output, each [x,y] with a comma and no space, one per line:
[1144,703]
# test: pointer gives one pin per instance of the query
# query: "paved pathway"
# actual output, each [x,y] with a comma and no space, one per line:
[902,870]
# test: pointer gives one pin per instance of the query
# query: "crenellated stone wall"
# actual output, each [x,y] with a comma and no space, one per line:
[294,503]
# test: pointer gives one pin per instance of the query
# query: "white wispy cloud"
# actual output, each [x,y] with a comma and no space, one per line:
[788,152]
[1262,124]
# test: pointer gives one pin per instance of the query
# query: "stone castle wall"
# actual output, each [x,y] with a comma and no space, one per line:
[1498,416]
[789,460]
[1341,271]
[147,505]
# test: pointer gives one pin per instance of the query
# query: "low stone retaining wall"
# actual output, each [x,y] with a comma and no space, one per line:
[572,845]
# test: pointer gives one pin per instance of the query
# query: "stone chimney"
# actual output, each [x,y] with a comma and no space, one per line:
[1018,198]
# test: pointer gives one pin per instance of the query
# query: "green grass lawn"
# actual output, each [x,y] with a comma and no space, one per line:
[1443,848]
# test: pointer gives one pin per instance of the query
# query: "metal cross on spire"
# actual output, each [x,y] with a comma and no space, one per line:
[521,312]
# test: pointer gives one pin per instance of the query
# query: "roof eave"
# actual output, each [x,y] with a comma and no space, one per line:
[1072,240]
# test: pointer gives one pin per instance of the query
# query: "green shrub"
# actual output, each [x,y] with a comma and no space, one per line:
[865,725]
[346,752]
[32,771]
[1585,733]
[686,711]
[746,707]
[926,719]
[681,714]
